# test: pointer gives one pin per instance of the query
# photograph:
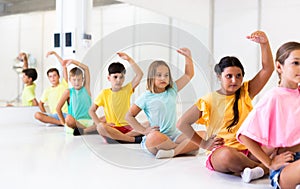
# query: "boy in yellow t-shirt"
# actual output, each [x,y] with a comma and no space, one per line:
[29,76]
[116,102]
[52,94]
[28,94]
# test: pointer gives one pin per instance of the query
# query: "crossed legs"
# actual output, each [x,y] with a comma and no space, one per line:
[158,142]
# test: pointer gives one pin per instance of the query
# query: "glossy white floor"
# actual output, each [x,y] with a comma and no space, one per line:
[35,156]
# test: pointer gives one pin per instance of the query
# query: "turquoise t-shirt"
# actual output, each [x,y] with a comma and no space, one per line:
[79,103]
[160,109]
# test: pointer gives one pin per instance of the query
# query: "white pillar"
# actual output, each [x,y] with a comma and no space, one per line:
[73,27]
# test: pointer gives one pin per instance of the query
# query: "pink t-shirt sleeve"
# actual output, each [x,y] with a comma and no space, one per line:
[274,122]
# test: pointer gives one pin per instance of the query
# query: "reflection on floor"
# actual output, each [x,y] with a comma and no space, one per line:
[35,156]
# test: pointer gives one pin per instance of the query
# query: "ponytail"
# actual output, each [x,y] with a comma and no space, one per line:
[236,117]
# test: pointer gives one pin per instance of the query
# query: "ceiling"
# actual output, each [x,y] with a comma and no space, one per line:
[8,7]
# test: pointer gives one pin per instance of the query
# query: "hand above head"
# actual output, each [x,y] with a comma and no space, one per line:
[185,52]
[258,37]
[188,70]
[50,53]
[66,62]
[21,56]
[124,56]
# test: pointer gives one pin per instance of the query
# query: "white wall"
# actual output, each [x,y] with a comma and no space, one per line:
[146,43]
[25,32]
[9,37]
[280,19]
[235,19]
[223,34]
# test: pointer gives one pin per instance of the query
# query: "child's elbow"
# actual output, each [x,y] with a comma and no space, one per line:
[58,109]
[191,74]
[128,116]
[140,77]
[179,124]
[91,111]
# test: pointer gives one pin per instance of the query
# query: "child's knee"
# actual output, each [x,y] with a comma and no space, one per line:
[155,138]
[101,130]
[38,115]
[70,121]
[227,155]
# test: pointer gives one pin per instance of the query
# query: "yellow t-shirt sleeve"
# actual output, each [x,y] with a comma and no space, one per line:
[64,83]
[28,95]
[99,100]
[204,109]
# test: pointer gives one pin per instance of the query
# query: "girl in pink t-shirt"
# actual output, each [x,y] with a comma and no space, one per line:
[272,130]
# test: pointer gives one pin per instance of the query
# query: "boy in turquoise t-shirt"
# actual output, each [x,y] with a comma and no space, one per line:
[79,100]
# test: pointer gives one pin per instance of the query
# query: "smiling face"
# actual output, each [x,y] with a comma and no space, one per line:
[231,80]
[290,70]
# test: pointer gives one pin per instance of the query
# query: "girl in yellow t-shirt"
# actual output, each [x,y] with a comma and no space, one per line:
[223,111]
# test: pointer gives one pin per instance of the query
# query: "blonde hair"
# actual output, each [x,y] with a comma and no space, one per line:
[152,73]
[75,72]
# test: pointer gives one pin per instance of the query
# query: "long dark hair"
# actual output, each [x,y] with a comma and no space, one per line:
[230,61]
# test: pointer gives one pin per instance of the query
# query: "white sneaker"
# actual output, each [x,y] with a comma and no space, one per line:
[251,174]
[164,154]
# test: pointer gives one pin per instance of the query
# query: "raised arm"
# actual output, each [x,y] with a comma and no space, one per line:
[138,71]
[23,57]
[261,78]
[87,77]
[188,71]
[65,71]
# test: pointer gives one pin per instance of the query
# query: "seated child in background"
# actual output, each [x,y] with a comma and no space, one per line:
[52,94]
[116,102]
[29,76]
[28,94]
